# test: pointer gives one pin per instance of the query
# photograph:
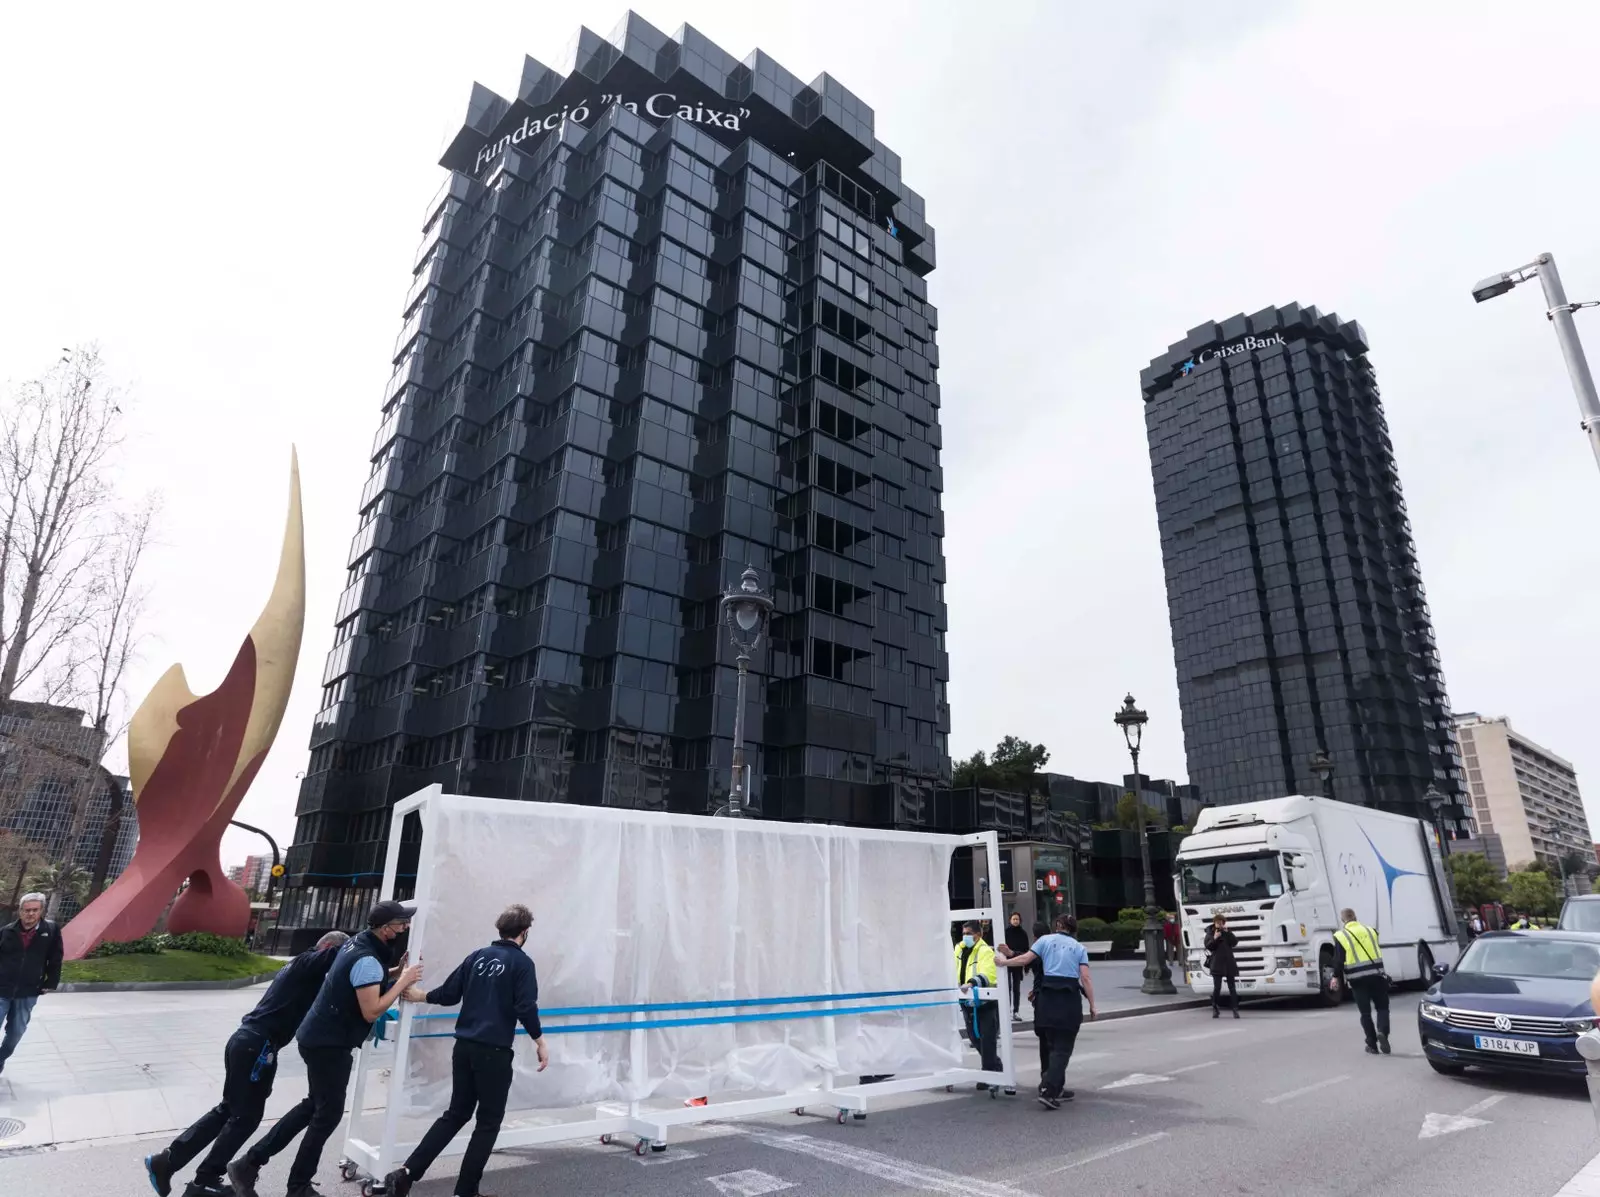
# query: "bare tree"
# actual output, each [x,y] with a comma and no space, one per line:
[70,601]
[57,434]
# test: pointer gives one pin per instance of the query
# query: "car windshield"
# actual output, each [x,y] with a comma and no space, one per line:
[1581,916]
[1531,956]
[1231,878]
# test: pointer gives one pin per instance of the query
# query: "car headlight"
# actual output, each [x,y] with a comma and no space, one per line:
[1434,1012]
[1580,1025]
[1291,961]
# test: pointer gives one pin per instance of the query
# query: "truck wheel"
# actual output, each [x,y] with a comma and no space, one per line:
[1326,994]
[1424,966]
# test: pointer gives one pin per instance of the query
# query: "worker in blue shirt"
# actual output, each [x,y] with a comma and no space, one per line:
[1058,1010]
[496,988]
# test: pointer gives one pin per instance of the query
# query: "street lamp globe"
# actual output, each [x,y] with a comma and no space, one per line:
[1434,799]
[1321,766]
[747,610]
[1131,720]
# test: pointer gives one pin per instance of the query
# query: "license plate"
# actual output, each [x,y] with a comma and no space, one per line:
[1517,1047]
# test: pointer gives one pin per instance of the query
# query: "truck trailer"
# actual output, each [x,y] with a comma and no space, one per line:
[1281,870]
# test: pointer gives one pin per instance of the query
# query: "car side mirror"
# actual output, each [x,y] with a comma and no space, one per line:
[1439,970]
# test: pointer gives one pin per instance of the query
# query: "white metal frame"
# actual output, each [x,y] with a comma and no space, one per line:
[651,1127]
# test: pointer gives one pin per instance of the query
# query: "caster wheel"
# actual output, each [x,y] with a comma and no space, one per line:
[638,1148]
[800,1112]
[840,1119]
[349,1169]
[658,1148]
[949,1088]
[372,1188]
[859,1115]
[993,1093]
[605,1140]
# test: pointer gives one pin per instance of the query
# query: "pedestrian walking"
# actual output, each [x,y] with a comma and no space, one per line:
[30,965]
[1222,964]
[496,987]
[250,1064]
[976,969]
[1058,1011]
[351,998]
[1476,925]
[1017,942]
[1359,964]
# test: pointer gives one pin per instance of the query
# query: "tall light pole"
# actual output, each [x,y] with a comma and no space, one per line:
[1321,766]
[1559,312]
[1436,803]
[1157,976]
[747,612]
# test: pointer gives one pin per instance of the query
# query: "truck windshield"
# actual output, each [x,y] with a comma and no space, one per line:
[1232,878]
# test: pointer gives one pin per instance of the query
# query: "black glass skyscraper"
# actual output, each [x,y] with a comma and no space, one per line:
[1298,617]
[669,319]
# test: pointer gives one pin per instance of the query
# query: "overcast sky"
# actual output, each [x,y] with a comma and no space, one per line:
[229,200]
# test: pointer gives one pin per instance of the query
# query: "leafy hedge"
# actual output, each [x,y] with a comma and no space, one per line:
[190,941]
[1093,930]
[1125,934]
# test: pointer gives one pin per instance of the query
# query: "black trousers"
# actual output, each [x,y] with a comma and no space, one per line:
[318,1114]
[1059,1012]
[1216,990]
[481,1079]
[249,1064]
[1370,992]
[986,1038]
[1016,990]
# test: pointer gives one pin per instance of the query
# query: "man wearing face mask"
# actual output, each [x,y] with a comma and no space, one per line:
[497,987]
[975,968]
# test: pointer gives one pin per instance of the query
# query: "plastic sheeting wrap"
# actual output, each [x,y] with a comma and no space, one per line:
[633,908]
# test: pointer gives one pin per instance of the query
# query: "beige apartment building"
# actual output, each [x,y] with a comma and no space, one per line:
[1525,794]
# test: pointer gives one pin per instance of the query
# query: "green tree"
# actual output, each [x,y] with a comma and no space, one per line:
[58,880]
[1532,892]
[1475,880]
[1129,808]
[1012,767]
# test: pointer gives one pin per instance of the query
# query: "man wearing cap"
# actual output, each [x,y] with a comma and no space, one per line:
[358,990]
[250,1064]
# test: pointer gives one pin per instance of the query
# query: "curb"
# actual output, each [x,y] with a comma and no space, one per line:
[147,986]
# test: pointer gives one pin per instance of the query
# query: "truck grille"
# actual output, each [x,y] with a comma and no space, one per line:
[1477,1020]
[1252,950]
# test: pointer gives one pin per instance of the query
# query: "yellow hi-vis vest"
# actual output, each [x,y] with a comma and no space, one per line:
[1362,956]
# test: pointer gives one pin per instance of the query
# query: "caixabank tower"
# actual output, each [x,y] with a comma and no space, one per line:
[668,320]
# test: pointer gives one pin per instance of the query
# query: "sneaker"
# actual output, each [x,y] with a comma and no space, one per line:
[1065,1095]
[1048,1102]
[159,1170]
[1383,1044]
[198,1188]
[397,1183]
[1216,1013]
[1372,1049]
[242,1176]
[1236,1014]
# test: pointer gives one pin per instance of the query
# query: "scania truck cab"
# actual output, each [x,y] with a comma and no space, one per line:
[1281,870]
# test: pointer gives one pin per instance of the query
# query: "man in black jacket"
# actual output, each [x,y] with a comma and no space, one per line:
[497,988]
[250,1062]
[30,964]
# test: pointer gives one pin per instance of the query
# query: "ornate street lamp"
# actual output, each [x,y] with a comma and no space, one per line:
[1157,976]
[746,611]
[1321,765]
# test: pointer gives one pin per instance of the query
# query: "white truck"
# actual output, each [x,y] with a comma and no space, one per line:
[1281,870]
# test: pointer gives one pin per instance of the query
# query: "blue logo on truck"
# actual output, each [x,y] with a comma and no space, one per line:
[1390,872]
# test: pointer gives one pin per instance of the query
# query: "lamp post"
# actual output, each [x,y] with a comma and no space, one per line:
[1436,803]
[1321,765]
[1157,976]
[747,611]
[1559,312]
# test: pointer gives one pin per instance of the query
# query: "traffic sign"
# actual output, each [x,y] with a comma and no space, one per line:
[277,870]
[1052,880]
[1060,898]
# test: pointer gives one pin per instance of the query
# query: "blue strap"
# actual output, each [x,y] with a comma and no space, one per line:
[657,1023]
[666,1007]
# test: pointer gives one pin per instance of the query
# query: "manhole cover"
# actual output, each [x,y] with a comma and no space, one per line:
[10,1126]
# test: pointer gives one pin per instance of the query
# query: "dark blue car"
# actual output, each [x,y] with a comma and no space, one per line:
[1516,1000]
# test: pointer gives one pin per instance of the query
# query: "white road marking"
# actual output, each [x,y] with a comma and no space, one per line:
[1209,1035]
[1294,1093]
[748,1183]
[1085,1057]
[1096,1156]
[1137,1078]
[1434,1125]
[887,1167]
[1192,1067]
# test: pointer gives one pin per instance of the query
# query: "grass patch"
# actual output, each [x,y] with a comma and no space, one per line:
[169,966]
